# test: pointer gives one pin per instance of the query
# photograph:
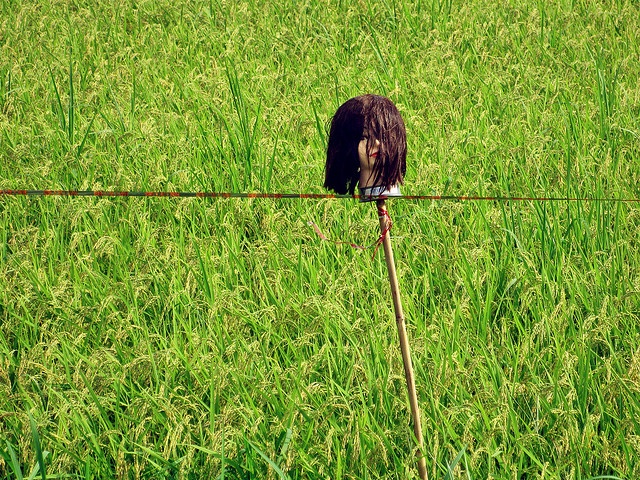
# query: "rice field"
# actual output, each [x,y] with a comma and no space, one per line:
[222,338]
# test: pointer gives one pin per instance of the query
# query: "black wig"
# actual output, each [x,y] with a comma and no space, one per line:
[380,117]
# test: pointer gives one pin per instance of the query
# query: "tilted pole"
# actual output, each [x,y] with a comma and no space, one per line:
[402,334]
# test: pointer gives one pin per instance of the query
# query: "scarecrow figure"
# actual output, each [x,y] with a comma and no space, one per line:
[368,147]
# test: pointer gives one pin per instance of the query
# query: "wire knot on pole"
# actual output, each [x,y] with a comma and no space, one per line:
[382,213]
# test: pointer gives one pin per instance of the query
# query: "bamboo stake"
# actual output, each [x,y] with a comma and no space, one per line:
[402,334]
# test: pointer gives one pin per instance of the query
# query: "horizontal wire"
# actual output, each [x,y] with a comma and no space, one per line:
[460,198]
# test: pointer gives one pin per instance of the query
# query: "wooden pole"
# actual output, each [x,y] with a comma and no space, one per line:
[402,334]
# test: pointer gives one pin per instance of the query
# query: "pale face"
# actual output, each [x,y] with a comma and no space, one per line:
[367,159]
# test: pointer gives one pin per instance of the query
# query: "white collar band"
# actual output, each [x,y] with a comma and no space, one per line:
[369,194]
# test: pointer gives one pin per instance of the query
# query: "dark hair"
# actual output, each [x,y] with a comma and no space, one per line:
[382,119]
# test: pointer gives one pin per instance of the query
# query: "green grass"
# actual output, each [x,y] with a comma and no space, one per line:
[166,338]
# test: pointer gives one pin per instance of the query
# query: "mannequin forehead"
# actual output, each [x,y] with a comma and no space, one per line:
[367,113]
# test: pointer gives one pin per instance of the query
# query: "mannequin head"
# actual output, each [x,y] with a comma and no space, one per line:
[367,145]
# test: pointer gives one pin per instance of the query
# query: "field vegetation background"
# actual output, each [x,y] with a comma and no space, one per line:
[192,338]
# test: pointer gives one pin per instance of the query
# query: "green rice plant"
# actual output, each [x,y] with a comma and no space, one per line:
[11,458]
[243,135]
[5,88]
[606,92]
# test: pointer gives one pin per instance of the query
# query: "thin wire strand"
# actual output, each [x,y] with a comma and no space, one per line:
[459,198]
